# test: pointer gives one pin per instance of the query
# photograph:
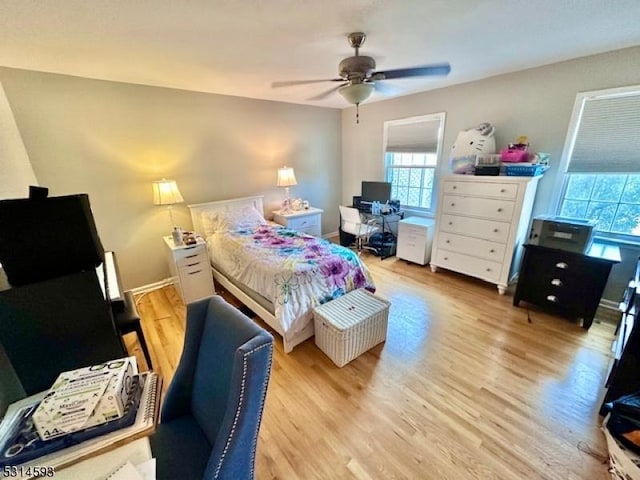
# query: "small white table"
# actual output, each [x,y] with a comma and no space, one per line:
[190,265]
[308,221]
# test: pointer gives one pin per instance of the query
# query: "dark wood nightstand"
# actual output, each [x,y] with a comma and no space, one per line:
[568,283]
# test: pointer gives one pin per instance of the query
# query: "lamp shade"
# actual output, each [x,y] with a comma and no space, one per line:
[165,192]
[286,177]
[356,93]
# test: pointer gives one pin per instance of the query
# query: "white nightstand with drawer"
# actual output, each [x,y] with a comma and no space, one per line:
[190,265]
[307,221]
[415,236]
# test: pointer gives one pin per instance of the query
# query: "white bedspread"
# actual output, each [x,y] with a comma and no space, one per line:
[292,270]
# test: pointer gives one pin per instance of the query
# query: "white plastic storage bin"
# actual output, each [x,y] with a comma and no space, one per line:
[350,325]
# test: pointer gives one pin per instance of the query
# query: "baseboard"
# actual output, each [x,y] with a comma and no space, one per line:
[330,235]
[154,286]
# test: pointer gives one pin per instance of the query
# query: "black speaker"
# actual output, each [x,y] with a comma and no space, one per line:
[43,238]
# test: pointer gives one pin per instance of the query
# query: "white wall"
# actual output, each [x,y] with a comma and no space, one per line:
[535,102]
[112,140]
[16,173]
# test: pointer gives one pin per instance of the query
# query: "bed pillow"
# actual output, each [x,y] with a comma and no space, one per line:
[232,219]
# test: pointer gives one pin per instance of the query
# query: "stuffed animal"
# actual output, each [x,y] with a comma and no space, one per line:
[470,143]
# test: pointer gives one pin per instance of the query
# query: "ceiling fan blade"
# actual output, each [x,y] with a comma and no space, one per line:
[323,95]
[291,83]
[386,89]
[436,69]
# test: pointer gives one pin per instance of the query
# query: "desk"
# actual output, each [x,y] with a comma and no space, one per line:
[384,243]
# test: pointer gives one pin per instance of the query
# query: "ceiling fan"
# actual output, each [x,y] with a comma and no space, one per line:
[359,78]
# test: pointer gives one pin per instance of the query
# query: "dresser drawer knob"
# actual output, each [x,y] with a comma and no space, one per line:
[495,230]
[453,204]
[556,282]
[447,241]
[450,223]
[454,187]
[562,265]
[502,190]
[488,269]
[499,209]
[492,251]
[193,273]
[446,258]
[552,298]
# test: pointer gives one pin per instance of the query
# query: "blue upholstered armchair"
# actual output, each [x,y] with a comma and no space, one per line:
[211,415]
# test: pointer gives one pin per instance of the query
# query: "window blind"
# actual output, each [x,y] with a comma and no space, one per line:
[415,137]
[608,138]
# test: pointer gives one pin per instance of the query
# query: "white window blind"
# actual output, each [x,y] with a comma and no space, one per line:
[416,137]
[608,137]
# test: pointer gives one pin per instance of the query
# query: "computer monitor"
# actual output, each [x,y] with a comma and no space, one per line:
[376,191]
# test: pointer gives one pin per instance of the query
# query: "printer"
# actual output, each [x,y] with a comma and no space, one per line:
[570,234]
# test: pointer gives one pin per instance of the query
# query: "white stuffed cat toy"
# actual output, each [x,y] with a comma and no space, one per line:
[470,143]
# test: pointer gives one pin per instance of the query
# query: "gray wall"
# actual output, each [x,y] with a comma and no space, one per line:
[536,102]
[112,140]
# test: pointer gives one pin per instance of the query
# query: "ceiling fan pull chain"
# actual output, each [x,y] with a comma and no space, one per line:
[357,113]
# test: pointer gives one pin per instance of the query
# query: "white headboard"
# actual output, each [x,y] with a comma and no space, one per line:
[224,205]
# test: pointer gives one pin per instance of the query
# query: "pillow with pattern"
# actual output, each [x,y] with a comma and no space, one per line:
[231,219]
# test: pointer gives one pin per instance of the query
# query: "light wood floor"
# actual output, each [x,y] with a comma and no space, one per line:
[465,387]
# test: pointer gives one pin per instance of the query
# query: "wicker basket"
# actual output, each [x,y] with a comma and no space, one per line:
[350,325]
[624,463]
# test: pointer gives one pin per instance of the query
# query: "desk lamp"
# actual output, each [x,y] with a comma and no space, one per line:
[165,192]
[286,179]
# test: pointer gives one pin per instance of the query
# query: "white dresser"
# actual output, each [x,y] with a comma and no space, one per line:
[415,237]
[190,265]
[481,225]
[307,221]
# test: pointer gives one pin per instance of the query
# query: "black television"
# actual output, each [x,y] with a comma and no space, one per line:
[376,192]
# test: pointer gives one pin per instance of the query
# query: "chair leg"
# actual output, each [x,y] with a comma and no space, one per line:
[143,344]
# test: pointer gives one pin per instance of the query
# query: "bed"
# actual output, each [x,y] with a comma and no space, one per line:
[278,273]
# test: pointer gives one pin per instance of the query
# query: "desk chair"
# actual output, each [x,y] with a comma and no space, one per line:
[213,409]
[351,222]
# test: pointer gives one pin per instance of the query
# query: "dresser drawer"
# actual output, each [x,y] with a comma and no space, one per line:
[482,248]
[303,223]
[412,252]
[475,227]
[409,229]
[196,282]
[187,254]
[475,266]
[498,190]
[478,207]
[192,257]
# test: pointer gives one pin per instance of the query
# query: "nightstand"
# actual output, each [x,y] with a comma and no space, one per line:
[307,221]
[190,265]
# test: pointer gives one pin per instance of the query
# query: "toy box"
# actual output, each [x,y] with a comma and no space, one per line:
[84,398]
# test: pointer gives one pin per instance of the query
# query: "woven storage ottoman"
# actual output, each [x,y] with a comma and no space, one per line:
[350,325]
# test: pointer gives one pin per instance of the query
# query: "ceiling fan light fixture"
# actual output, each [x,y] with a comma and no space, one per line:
[356,93]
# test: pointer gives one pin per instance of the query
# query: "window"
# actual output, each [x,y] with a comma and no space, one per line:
[411,176]
[601,162]
[412,149]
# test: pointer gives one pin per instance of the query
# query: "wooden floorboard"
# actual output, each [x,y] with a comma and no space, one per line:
[465,387]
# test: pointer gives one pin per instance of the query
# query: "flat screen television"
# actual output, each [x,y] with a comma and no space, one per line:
[376,192]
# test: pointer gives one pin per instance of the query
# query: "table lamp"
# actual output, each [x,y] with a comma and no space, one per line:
[165,192]
[286,179]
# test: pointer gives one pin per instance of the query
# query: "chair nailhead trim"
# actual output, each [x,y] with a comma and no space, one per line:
[239,408]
